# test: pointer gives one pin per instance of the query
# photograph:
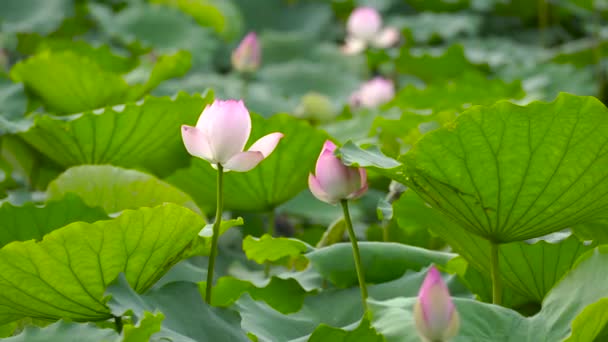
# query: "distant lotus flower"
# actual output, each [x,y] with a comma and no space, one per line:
[247,56]
[220,136]
[364,27]
[435,314]
[333,181]
[373,93]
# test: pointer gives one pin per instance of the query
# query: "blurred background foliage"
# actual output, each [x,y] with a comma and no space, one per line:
[111,81]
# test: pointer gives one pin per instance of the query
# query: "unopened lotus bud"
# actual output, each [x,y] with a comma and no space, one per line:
[435,314]
[247,57]
[316,106]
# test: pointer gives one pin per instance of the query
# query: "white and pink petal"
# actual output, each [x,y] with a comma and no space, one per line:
[267,143]
[196,142]
[243,161]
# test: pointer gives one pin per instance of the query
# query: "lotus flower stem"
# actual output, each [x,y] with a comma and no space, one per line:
[356,255]
[543,19]
[118,323]
[216,232]
[597,51]
[496,285]
[271,232]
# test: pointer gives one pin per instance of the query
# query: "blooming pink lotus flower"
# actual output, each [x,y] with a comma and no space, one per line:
[247,56]
[333,181]
[373,93]
[435,314]
[364,27]
[220,136]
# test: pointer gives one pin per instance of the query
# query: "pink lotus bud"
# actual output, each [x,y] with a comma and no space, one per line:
[373,93]
[435,314]
[364,23]
[220,136]
[247,56]
[333,181]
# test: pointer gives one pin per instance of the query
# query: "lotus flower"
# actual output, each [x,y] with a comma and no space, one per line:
[364,27]
[373,93]
[247,56]
[333,181]
[435,314]
[220,136]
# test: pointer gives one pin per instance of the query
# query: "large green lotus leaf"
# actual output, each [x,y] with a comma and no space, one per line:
[68,83]
[73,81]
[591,323]
[33,222]
[457,94]
[484,322]
[27,167]
[545,81]
[311,18]
[480,284]
[259,97]
[430,27]
[221,15]
[596,231]
[66,332]
[363,332]
[187,317]
[432,66]
[149,75]
[106,57]
[284,295]
[399,134]
[65,275]
[498,51]
[147,326]
[510,173]
[116,189]
[13,102]
[144,134]
[31,15]
[275,180]
[530,269]
[334,307]
[268,248]
[164,29]
[298,77]
[381,261]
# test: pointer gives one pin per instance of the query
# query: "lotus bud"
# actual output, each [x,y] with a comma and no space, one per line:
[434,313]
[221,133]
[315,106]
[373,93]
[333,181]
[247,56]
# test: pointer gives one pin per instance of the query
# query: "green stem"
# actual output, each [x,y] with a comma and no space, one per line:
[118,322]
[246,77]
[543,19]
[496,285]
[597,51]
[216,232]
[385,232]
[271,223]
[356,255]
[271,232]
